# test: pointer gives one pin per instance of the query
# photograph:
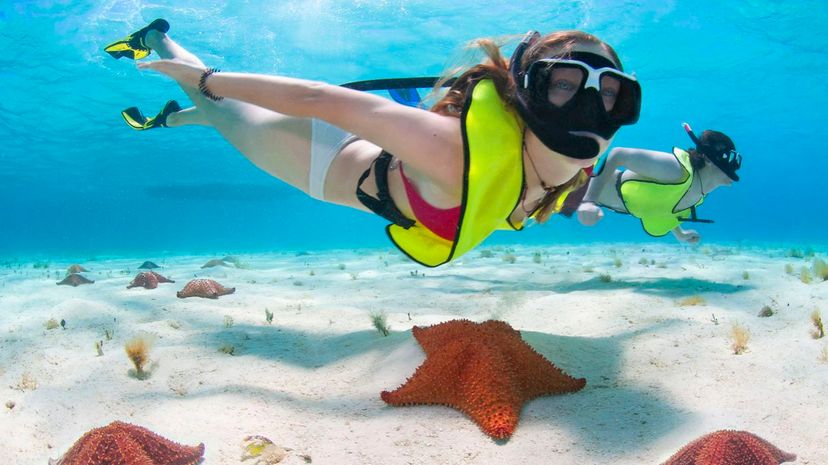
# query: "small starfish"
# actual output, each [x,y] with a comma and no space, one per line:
[148,280]
[214,262]
[147,266]
[124,443]
[144,279]
[75,280]
[76,269]
[206,288]
[728,447]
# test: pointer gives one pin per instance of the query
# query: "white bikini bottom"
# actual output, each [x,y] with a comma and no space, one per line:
[327,141]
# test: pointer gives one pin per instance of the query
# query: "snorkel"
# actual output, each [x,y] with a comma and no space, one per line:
[692,134]
[557,126]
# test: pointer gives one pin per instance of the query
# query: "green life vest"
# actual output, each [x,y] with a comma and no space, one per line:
[492,181]
[654,203]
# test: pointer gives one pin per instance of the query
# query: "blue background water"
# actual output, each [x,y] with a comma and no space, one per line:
[75,180]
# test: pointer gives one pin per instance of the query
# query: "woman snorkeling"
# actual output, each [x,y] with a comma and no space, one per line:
[506,142]
[662,189]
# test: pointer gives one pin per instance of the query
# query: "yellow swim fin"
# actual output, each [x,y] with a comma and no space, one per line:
[133,45]
[136,120]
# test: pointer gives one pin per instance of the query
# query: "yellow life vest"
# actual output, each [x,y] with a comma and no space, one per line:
[492,181]
[654,203]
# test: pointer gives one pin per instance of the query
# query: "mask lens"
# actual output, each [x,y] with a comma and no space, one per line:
[627,101]
[558,81]
[565,81]
[735,159]
[610,87]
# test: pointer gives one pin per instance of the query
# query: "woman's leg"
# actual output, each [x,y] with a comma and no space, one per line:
[276,143]
[187,117]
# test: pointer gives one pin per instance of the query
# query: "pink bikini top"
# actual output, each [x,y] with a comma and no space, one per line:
[441,221]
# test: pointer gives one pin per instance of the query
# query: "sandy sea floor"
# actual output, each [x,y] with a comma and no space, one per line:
[660,369]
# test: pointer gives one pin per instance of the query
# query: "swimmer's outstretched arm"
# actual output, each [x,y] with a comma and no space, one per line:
[416,136]
[646,164]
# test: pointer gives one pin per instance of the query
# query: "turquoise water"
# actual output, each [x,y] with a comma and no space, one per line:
[75,180]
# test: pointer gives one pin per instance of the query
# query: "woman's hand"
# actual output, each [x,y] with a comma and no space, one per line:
[690,236]
[183,72]
[589,213]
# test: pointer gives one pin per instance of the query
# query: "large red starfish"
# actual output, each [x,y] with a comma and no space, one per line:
[124,443]
[482,369]
[727,447]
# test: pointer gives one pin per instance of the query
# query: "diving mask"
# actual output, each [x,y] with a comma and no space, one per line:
[583,92]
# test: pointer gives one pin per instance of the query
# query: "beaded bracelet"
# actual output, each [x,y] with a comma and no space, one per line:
[202,85]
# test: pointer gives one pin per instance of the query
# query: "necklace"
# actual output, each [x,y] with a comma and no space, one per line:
[546,188]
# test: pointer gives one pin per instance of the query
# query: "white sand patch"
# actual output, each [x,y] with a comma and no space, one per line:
[659,372]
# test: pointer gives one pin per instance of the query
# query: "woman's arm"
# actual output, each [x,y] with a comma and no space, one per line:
[641,164]
[416,136]
[646,164]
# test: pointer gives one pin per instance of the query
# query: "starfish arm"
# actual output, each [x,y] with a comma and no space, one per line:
[491,395]
[431,338]
[126,449]
[539,376]
[147,448]
[81,453]
[685,456]
[428,383]
[778,454]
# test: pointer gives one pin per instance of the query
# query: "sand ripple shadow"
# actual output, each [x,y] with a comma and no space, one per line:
[301,348]
[664,287]
[611,411]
